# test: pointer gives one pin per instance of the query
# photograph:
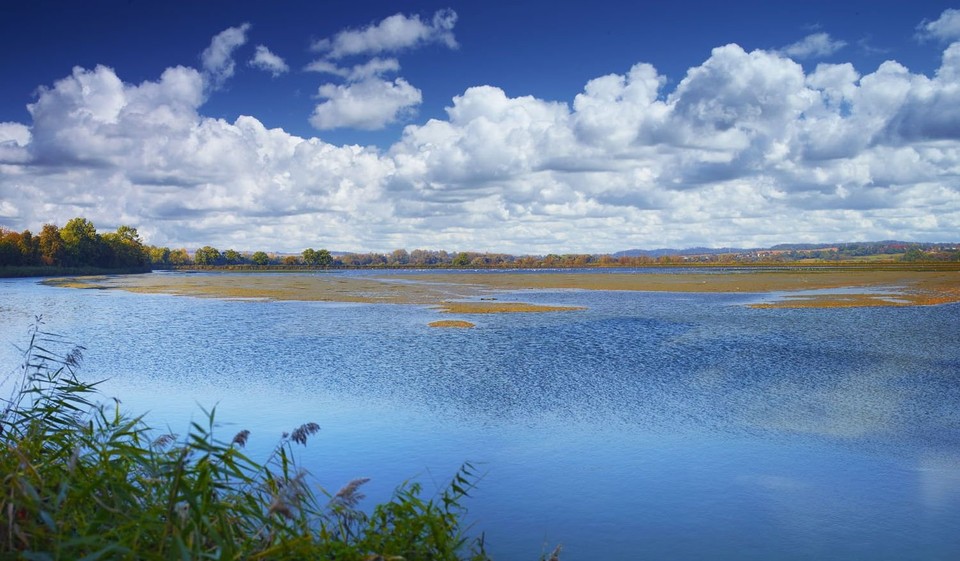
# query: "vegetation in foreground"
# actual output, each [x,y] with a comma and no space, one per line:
[82,480]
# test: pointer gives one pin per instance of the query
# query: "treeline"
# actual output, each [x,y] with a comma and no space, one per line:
[76,245]
[321,258]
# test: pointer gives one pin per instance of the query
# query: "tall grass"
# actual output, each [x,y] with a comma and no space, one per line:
[84,480]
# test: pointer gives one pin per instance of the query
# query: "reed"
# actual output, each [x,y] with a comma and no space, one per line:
[81,479]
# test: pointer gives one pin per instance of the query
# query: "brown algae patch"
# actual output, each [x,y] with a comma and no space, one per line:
[910,289]
[83,283]
[901,287]
[454,323]
[325,288]
[457,292]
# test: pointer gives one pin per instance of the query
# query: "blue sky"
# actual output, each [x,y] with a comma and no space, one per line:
[526,127]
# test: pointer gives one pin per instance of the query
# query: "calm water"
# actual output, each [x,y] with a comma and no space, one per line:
[649,426]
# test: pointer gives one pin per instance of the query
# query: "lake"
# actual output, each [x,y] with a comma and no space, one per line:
[646,426]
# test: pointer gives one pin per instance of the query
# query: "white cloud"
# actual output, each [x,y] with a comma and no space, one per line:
[14,139]
[217,59]
[268,62]
[395,33]
[373,67]
[14,134]
[326,67]
[369,104]
[617,111]
[814,45]
[367,100]
[945,28]
[745,149]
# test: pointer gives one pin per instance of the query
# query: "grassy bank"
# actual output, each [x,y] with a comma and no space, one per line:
[84,480]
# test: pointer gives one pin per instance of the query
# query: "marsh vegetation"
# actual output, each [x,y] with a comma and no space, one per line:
[82,479]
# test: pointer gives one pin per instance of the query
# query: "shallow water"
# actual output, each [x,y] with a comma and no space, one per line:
[650,425]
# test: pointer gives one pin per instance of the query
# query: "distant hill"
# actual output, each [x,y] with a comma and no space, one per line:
[861,248]
[688,251]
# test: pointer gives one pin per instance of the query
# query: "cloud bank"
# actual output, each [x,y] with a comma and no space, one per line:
[746,149]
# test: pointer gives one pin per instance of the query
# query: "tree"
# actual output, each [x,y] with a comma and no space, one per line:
[124,248]
[9,250]
[81,243]
[461,260]
[324,259]
[232,257]
[207,255]
[179,257]
[260,258]
[52,249]
[159,256]
[399,257]
[913,254]
[29,248]
[317,257]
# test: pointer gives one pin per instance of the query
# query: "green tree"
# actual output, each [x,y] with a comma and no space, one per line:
[310,256]
[232,257]
[913,254]
[125,248]
[461,260]
[324,259]
[81,243]
[159,256]
[207,255]
[260,258]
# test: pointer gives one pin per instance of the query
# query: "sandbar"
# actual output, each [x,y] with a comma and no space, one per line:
[454,323]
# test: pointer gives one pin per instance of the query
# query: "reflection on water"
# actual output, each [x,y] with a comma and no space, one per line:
[655,425]
[939,481]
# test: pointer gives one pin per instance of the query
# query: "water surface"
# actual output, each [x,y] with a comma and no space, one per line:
[648,426]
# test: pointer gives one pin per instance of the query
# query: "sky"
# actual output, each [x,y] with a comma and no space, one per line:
[524,127]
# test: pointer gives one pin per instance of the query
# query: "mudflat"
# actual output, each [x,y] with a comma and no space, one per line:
[795,288]
[473,293]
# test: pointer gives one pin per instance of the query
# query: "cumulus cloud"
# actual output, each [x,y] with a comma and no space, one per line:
[369,104]
[945,28]
[395,33]
[217,59]
[366,99]
[268,62]
[747,148]
[815,45]
[141,154]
